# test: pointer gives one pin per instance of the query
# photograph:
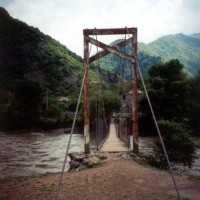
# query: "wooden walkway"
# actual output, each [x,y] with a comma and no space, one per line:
[113,143]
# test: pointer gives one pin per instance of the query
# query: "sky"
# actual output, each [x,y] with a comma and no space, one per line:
[64,20]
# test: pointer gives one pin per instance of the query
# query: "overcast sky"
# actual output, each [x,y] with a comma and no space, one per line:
[65,19]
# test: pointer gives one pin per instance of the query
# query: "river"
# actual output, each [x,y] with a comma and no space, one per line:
[36,153]
[30,154]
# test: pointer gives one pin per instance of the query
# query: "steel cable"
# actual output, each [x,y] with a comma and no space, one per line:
[70,136]
[159,133]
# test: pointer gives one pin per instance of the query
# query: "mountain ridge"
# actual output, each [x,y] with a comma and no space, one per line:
[186,48]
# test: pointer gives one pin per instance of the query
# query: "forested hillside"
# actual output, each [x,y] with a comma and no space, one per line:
[33,65]
[39,77]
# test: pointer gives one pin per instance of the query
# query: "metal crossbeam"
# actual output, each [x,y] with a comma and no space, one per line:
[106,52]
[112,49]
[111,31]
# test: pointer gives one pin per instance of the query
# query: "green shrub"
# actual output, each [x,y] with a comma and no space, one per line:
[178,143]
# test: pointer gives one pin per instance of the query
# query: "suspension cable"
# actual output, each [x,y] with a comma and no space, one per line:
[123,68]
[70,136]
[159,133]
[97,102]
[98,97]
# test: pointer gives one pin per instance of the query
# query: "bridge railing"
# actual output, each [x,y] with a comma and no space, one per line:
[123,127]
[99,132]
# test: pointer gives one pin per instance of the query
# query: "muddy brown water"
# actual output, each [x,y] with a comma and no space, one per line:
[36,153]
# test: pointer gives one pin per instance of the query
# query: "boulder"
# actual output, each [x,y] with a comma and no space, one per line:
[77,157]
[92,161]
[74,164]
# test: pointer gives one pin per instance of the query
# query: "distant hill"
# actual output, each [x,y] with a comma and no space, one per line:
[196,35]
[178,46]
[123,67]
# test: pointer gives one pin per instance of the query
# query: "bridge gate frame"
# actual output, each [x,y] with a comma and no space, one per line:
[115,49]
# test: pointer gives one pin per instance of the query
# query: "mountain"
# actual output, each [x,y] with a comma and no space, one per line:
[196,35]
[29,55]
[34,67]
[123,68]
[178,46]
[40,78]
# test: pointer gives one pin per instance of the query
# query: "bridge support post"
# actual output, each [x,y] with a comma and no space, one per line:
[135,104]
[86,96]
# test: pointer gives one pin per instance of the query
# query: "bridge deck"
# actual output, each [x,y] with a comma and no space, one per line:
[113,143]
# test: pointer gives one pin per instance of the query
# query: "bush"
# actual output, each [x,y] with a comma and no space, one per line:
[24,110]
[178,143]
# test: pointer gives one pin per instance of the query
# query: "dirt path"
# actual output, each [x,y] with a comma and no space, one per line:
[114,180]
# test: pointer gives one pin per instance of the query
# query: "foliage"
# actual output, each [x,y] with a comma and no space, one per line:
[169,90]
[24,110]
[170,93]
[106,97]
[194,105]
[178,143]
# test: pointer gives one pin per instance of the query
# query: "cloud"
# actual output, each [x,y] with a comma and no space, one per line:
[5,2]
[65,19]
[193,5]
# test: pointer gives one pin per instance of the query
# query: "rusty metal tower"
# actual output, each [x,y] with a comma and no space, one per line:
[115,49]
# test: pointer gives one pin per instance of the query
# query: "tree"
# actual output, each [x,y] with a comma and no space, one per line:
[169,90]
[24,111]
[194,105]
[178,142]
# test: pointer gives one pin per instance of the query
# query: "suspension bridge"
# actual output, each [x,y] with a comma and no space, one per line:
[120,131]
